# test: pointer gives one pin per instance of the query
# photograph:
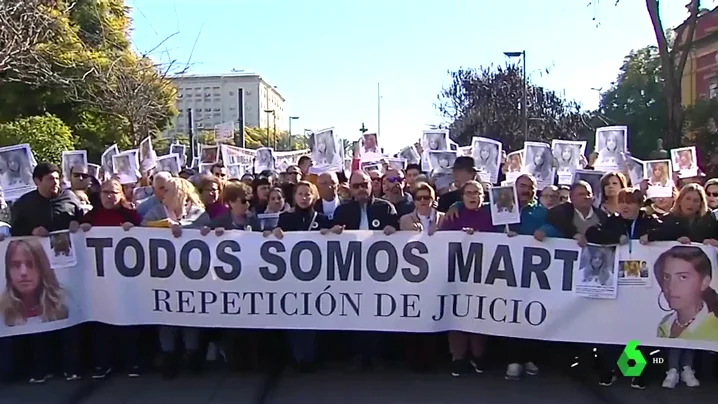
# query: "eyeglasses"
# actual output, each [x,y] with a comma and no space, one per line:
[712,194]
[360,185]
[394,180]
[221,175]
[423,198]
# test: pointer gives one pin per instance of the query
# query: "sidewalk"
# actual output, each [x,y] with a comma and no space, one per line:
[342,387]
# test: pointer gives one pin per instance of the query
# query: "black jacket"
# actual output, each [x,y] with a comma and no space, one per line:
[381,213]
[561,218]
[301,220]
[672,227]
[448,199]
[33,210]
[615,226]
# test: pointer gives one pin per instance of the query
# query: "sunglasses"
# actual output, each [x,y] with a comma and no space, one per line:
[423,197]
[221,175]
[361,185]
[394,180]
[712,194]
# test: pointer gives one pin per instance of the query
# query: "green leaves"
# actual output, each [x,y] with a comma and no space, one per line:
[47,136]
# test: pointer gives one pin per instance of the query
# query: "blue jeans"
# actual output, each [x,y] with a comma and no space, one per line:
[678,358]
[108,339]
[168,336]
[303,345]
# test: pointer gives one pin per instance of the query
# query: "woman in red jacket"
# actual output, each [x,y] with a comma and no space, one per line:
[114,211]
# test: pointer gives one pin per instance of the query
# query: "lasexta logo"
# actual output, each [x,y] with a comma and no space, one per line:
[631,354]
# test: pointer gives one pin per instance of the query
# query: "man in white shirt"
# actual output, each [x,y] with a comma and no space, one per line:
[327,185]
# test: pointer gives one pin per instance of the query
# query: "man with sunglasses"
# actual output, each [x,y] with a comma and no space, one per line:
[393,186]
[365,212]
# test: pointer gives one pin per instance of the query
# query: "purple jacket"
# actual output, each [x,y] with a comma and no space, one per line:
[479,220]
[216,209]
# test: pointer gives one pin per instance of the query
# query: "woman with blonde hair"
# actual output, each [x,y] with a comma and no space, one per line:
[32,292]
[180,208]
[33,295]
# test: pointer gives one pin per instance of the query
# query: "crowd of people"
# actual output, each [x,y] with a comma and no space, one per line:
[387,200]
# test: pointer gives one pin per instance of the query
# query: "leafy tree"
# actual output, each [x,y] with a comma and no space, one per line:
[47,136]
[100,87]
[485,102]
[673,62]
[636,99]
[701,130]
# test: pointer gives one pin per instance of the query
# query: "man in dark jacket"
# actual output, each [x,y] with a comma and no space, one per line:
[46,209]
[363,211]
[572,219]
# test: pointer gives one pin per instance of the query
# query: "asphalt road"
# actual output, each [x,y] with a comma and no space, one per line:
[335,385]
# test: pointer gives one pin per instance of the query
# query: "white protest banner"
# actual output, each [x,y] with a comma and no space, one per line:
[486,283]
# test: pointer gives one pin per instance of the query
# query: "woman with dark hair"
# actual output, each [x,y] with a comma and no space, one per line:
[611,183]
[260,194]
[684,274]
[467,349]
[303,218]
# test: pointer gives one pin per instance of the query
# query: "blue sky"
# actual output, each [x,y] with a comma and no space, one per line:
[327,56]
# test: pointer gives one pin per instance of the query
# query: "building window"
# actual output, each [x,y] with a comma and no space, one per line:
[216,114]
[231,93]
[713,90]
[217,109]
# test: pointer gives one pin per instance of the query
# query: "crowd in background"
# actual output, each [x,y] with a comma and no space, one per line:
[387,200]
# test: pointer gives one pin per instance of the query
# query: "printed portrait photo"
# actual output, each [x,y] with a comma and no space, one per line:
[597,265]
[504,205]
[635,170]
[169,163]
[538,161]
[487,158]
[684,274]
[659,173]
[15,170]
[71,159]
[106,161]
[325,155]
[410,154]
[435,140]
[181,151]
[32,292]
[209,154]
[441,161]
[369,144]
[611,144]
[685,161]
[264,160]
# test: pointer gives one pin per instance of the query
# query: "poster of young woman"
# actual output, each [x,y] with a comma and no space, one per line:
[611,145]
[567,154]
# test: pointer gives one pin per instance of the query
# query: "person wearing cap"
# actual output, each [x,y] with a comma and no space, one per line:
[463,171]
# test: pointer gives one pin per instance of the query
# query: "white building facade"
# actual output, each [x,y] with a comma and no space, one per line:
[222,98]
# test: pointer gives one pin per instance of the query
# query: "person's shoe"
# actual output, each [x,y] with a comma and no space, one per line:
[531,369]
[477,365]
[638,382]
[607,379]
[671,379]
[100,372]
[514,371]
[688,377]
[71,376]
[169,365]
[39,379]
[134,371]
[460,367]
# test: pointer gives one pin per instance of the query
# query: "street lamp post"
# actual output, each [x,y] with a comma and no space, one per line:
[274,115]
[524,115]
[291,118]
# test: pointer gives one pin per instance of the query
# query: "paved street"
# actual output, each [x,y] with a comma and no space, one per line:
[337,386]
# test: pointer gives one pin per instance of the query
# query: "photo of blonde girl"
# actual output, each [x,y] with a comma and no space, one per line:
[658,173]
[684,274]
[32,292]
